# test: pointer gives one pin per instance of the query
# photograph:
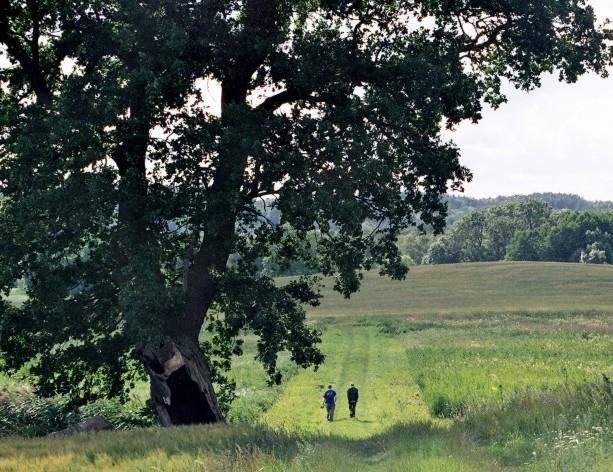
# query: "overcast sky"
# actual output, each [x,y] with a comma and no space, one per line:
[558,138]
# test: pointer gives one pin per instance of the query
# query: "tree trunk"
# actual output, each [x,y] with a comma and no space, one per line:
[181,387]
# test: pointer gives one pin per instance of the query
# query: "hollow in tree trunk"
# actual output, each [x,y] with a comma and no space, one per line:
[181,388]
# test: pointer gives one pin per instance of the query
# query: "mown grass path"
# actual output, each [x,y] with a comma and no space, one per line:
[376,363]
[393,429]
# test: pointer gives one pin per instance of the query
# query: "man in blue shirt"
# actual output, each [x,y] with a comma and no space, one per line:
[329,401]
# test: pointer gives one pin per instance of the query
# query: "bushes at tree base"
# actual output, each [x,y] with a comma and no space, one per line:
[24,414]
[29,415]
[134,414]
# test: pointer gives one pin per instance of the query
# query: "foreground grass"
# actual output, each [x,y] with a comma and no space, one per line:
[393,431]
[565,428]
[552,413]
[418,447]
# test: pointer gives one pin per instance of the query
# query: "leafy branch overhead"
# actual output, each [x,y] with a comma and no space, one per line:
[142,144]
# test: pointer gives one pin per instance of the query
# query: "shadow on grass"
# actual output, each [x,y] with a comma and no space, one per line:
[353,420]
[222,440]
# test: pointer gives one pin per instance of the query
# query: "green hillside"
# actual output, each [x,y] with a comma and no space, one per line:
[496,287]
[467,367]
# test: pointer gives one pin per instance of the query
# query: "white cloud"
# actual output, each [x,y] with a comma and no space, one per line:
[558,138]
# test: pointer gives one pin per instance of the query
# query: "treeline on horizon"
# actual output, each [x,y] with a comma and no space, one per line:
[552,227]
[541,227]
[460,205]
[560,201]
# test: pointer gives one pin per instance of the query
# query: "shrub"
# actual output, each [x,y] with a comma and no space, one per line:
[28,415]
[122,416]
[444,407]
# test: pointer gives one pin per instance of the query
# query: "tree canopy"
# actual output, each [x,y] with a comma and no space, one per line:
[128,183]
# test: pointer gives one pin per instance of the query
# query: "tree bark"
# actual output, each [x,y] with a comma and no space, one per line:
[180,380]
[181,384]
[181,387]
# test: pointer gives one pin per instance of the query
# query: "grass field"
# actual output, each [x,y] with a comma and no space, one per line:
[18,296]
[490,287]
[506,375]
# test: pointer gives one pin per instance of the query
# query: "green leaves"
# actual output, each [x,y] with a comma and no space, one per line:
[139,139]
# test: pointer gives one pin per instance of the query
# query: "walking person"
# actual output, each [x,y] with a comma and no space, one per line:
[352,399]
[329,401]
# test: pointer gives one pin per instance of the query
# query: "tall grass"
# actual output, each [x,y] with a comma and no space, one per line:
[534,391]
[565,428]
[253,393]
[475,364]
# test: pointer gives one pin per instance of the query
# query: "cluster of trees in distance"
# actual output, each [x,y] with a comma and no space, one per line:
[535,227]
[526,230]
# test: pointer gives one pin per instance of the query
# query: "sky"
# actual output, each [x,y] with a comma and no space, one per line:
[558,138]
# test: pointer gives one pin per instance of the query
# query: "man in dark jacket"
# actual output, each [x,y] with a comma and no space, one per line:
[352,398]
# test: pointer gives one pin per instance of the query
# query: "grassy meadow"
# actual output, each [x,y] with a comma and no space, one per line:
[478,288]
[466,367]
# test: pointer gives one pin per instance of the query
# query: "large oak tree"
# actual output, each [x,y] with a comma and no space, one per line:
[143,142]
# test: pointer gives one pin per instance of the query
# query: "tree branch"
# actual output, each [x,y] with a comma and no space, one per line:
[273,102]
[30,63]
[30,69]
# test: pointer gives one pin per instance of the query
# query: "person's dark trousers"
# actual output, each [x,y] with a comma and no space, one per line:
[352,409]
[330,410]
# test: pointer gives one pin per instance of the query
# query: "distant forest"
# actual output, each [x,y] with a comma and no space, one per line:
[460,205]
[536,227]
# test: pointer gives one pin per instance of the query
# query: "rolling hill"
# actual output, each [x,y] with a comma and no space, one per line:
[477,288]
[507,376]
